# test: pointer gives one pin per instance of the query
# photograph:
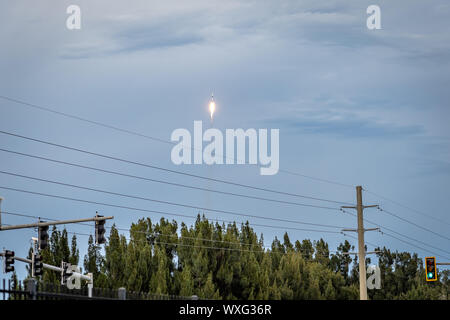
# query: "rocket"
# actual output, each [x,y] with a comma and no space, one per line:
[212,106]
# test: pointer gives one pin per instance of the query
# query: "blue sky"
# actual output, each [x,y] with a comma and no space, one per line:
[357,106]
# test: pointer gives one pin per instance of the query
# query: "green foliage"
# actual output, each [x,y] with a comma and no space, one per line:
[58,250]
[217,261]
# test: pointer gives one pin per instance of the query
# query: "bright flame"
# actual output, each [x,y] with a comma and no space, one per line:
[212,108]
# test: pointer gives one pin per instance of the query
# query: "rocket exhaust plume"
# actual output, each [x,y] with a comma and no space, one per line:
[212,107]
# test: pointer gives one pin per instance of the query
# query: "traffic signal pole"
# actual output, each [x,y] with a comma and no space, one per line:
[88,277]
[48,266]
[43,224]
[361,245]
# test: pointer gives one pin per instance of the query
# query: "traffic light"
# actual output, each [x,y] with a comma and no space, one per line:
[43,237]
[9,261]
[430,269]
[38,266]
[66,272]
[100,231]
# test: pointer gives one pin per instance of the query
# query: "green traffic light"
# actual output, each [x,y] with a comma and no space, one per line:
[430,275]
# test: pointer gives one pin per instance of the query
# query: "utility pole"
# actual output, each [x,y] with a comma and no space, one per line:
[361,245]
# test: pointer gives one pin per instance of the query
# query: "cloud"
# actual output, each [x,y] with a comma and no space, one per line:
[351,128]
[334,23]
[130,35]
[142,37]
[344,118]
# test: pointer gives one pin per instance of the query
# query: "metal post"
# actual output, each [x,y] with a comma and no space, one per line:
[54,268]
[33,254]
[90,284]
[31,286]
[1,199]
[122,293]
[361,246]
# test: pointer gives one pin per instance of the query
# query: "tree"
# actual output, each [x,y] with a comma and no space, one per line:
[209,290]
[291,271]
[340,262]
[287,243]
[305,248]
[186,283]
[74,252]
[160,279]
[218,261]
[57,251]
[115,260]
[322,252]
[94,263]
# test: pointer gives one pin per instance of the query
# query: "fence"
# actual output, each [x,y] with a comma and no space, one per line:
[33,290]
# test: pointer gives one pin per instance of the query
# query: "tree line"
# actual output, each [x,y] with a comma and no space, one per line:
[218,261]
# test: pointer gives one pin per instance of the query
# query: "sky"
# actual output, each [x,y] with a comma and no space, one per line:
[353,106]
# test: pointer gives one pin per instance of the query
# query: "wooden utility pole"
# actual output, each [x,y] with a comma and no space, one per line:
[361,245]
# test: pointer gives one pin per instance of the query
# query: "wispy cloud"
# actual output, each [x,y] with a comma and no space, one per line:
[345,118]
[129,35]
[352,128]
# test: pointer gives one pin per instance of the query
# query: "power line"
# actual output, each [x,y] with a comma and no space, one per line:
[221,211]
[205,247]
[164,169]
[415,246]
[176,244]
[407,207]
[350,236]
[219,248]
[408,237]
[47,109]
[316,179]
[147,199]
[194,217]
[84,119]
[414,224]
[212,248]
[168,182]
[137,231]
[151,211]
[157,233]
[398,233]
[217,180]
